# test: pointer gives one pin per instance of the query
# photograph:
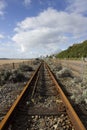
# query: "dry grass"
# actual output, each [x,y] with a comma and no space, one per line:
[13,64]
[11,61]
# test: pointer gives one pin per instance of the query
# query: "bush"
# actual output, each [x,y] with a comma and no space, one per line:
[7,75]
[74,51]
[25,68]
[64,73]
[4,76]
[17,76]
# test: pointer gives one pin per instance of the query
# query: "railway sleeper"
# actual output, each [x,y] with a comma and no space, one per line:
[42,111]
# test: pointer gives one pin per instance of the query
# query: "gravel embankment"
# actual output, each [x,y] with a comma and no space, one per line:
[54,122]
[12,82]
[74,87]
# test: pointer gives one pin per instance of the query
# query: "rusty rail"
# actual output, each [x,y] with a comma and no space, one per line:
[72,114]
[70,111]
[7,118]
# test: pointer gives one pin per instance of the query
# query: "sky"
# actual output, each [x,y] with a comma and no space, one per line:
[34,28]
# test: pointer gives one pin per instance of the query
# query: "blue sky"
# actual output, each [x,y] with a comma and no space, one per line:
[33,28]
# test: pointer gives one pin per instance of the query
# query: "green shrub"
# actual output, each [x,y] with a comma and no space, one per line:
[74,51]
[25,68]
[17,76]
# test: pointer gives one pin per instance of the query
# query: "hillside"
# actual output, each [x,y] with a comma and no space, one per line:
[75,51]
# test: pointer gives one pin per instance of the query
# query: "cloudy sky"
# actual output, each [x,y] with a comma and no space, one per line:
[32,28]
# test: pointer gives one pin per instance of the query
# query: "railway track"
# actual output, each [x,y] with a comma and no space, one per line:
[41,105]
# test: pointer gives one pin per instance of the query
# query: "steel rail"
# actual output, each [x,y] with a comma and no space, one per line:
[35,85]
[70,111]
[5,122]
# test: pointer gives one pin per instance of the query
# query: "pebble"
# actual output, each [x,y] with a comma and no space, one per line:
[10,91]
[55,126]
[50,123]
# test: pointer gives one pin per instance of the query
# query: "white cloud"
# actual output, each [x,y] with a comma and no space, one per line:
[27,2]
[77,6]
[48,31]
[2,7]
[1,36]
[7,47]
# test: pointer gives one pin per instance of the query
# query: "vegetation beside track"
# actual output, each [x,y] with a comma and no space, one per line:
[74,51]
